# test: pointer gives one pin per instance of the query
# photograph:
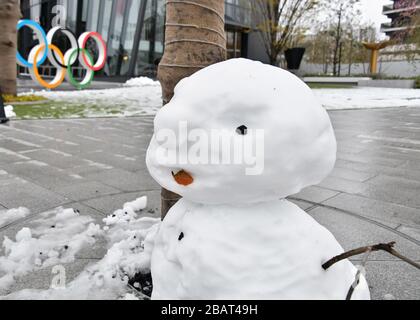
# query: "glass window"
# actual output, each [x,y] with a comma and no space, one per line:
[116,50]
[71,15]
[133,8]
[92,20]
[106,18]
[234,44]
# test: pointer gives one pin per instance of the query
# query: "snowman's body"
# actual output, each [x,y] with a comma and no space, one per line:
[270,250]
[231,237]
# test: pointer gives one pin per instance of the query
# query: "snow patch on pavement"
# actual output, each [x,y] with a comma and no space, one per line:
[365,98]
[129,241]
[9,112]
[12,215]
[54,238]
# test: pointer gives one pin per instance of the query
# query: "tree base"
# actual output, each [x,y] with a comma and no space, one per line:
[4,120]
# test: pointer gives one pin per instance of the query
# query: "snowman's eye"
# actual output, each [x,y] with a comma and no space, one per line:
[242,130]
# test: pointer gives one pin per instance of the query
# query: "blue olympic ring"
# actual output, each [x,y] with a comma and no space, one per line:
[38,29]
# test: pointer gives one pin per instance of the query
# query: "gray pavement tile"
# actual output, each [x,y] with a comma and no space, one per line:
[353,175]
[85,190]
[9,156]
[17,145]
[371,160]
[315,194]
[302,204]
[352,232]
[401,171]
[42,279]
[125,180]
[342,185]
[108,204]
[393,193]
[20,193]
[376,209]
[118,160]
[400,183]
[413,232]
[42,174]
[56,158]
[395,278]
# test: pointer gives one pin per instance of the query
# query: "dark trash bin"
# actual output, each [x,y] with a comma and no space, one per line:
[294,57]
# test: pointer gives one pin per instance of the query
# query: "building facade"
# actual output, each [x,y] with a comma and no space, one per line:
[398,12]
[132,29]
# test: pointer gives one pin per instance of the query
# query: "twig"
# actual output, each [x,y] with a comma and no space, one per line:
[360,271]
[388,247]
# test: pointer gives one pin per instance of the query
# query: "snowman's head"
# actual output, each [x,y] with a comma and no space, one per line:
[241,132]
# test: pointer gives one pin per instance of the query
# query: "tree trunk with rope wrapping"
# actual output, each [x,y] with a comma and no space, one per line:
[194,39]
[9,16]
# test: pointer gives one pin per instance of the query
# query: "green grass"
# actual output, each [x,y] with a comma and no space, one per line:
[62,110]
[330,86]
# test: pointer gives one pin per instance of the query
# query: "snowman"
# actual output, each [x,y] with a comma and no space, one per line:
[234,235]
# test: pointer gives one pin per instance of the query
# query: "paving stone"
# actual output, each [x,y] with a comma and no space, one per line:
[352,175]
[8,156]
[42,174]
[42,279]
[56,158]
[86,190]
[413,232]
[342,185]
[315,194]
[17,145]
[21,193]
[352,232]
[125,180]
[108,204]
[395,278]
[379,210]
[302,204]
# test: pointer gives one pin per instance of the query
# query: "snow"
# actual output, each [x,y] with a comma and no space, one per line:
[138,96]
[130,241]
[230,237]
[142,82]
[260,97]
[55,239]
[143,96]
[270,250]
[364,98]
[9,216]
[9,111]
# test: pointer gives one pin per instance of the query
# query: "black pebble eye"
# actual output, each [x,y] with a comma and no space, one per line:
[242,130]
[181,236]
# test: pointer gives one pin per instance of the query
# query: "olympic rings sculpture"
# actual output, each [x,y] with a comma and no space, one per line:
[62,62]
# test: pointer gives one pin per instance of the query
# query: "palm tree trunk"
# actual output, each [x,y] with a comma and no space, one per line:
[194,39]
[9,16]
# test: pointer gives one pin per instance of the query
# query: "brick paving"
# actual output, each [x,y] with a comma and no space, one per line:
[95,165]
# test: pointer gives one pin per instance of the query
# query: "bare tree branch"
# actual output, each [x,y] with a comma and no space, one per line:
[388,247]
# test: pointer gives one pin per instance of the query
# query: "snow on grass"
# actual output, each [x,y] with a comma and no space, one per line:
[10,216]
[129,241]
[9,111]
[364,98]
[143,96]
[138,96]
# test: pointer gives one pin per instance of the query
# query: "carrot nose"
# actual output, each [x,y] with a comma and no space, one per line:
[183,178]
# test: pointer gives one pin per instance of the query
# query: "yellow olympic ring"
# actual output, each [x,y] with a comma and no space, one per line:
[61,72]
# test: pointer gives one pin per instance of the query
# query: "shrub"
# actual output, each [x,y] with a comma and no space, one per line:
[8,98]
